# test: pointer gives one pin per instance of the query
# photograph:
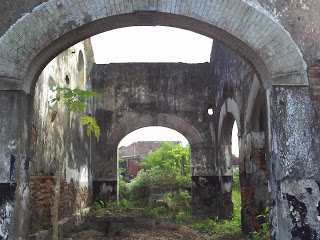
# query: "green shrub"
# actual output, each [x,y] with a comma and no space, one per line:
[98,205]
[178,201]
[124,192]
[168,166]
[264,232]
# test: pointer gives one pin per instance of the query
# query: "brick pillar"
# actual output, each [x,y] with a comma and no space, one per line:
[294,164]
[254,182]
[15,115]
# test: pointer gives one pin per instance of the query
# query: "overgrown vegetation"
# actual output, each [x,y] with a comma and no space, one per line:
[170,166]
[264,233]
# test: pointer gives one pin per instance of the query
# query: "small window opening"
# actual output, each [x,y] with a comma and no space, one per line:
[210,111]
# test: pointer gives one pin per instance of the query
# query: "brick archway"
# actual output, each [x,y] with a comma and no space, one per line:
[54,26]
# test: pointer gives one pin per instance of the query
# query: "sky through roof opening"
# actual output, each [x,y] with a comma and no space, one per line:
[153,134]
[151,44]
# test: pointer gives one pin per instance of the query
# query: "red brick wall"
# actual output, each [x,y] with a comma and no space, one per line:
[249,204]
[314,85]
[258,157]
[133,168]
[42,198]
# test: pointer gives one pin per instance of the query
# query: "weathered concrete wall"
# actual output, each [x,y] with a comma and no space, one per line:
[54,143]
[180,90]
[11,11]
[294,165]
[301,19]
[234,83]
[8,160]
[183,91]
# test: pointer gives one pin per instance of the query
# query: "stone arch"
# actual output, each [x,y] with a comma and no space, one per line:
[129,124]
[53,26]
[228,114]
[163,120]
[256,108]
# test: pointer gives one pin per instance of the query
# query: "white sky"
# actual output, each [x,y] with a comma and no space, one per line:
[153,134]
[153,44]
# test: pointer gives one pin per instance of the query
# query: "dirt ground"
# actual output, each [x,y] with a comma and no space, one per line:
[129,224]
[162,231]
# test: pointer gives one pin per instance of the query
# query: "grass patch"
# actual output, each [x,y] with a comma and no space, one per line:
[178,211]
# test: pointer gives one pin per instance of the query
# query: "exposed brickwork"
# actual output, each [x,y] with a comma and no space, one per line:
[42,199]
[34,137]
[314,81]
[249,205]
[227,206]
[258,157]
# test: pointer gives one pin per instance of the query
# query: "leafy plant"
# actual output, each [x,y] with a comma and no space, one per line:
[98,205]
[123,168]
[264,232]
[74,100]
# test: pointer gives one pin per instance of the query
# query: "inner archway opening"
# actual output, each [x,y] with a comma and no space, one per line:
[154,169]
[236,189]
[230,167]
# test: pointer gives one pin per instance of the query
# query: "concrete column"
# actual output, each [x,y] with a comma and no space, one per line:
[294,167]
[210,192]
[15,132]
[105,168]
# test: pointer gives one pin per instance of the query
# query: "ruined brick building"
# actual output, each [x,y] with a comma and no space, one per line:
[264,73]
[135,152]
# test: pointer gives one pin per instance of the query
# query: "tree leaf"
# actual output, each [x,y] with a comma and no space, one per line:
[92,126]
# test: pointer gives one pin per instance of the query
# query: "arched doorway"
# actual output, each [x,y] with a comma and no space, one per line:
[266,46]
